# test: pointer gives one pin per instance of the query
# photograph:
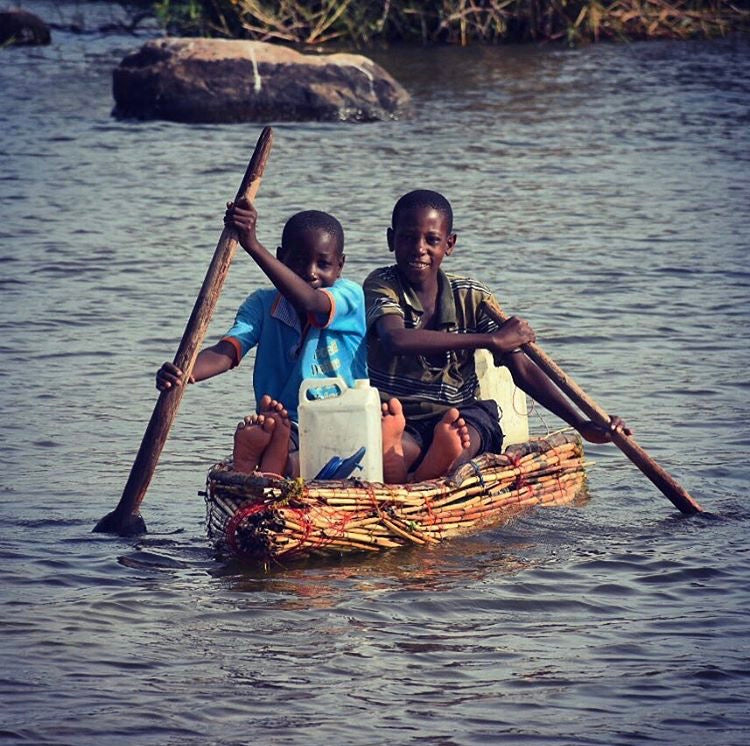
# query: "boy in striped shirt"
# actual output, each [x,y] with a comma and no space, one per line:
[423,327]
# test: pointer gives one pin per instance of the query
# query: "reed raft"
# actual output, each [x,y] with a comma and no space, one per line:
[264,517]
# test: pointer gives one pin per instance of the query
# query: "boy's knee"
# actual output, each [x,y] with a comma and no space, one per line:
[292,464]
[411,448]
[475,441]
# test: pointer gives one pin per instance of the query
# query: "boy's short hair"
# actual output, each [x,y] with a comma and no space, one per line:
[420,198]
[312,220]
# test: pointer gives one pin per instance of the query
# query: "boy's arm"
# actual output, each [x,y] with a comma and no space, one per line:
[243,217]
[210,362]
[528,376]
[399,340]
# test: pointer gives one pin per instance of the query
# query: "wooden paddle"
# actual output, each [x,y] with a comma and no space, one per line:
[626,443]
[125,519]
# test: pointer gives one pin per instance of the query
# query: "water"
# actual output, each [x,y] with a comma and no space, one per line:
[601,192]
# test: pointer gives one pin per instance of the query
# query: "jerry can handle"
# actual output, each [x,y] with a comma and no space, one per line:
[317,383]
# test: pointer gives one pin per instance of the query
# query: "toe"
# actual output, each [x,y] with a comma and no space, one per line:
[265,402]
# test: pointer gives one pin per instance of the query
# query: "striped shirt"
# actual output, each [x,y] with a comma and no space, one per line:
[426,386]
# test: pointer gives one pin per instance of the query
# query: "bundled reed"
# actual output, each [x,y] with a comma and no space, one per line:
[265,518]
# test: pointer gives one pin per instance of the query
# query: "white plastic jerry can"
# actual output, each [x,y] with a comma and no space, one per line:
[497,383]
[339,425]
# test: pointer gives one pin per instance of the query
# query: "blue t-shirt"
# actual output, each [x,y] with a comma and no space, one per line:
[287,353]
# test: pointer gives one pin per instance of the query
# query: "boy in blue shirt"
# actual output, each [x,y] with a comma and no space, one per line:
[310,325]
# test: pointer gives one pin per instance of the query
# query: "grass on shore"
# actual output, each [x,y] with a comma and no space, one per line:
[461,22]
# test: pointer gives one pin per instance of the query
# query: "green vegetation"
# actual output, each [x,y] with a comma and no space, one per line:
[363,22]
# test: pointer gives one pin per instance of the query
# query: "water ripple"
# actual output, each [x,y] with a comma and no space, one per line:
[599,192]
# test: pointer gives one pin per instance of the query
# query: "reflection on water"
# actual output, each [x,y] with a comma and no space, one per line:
[601,192]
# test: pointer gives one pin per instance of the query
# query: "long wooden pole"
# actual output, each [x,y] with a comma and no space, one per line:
[125,519]
[677,494]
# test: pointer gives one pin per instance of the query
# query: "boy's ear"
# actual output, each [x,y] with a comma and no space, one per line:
[342,260]
[450,242]
[280,253]
[389,238]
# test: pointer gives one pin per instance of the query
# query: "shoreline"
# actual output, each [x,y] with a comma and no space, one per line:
[456,23]
[452,23]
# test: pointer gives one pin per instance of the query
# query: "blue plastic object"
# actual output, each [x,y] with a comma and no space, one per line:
[329,469]
[341,468]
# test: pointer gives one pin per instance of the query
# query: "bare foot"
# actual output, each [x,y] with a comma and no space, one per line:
[276,454]
[251,438]
[394,462]
[451,438]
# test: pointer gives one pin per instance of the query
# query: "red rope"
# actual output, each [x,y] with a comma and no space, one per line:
[521,480]
[428,505]
[309,540]
[373,498]
[233,524]
[304,520]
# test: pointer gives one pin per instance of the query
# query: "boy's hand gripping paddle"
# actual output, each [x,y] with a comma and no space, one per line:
[626,443]
[125,519]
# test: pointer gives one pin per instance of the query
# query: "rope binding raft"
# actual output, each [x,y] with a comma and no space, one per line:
[263,518]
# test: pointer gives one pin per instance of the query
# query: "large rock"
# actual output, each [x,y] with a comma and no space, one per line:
[21,27]
[221,80]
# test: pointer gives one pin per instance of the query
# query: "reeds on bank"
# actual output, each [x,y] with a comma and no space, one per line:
[363,22]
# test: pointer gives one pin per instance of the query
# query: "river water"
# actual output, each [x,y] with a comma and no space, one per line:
[602,192]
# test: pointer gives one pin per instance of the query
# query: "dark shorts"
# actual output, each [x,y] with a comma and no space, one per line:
[482,415]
